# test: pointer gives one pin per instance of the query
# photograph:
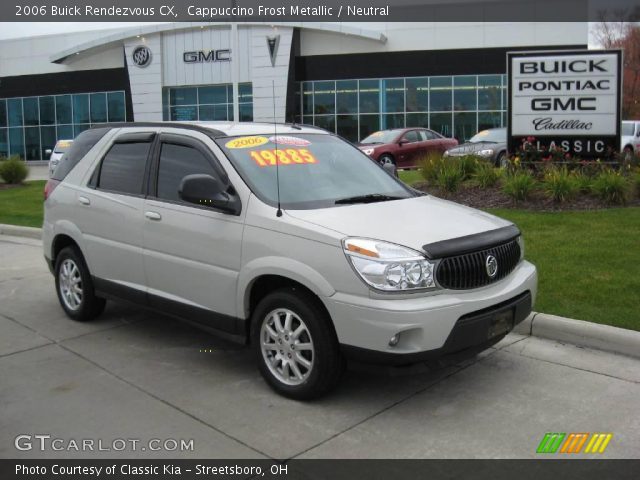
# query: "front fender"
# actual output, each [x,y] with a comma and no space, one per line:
[284,267]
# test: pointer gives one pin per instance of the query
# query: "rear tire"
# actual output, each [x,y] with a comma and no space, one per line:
[296,348]
[74,286]
[627,153]
[502,160]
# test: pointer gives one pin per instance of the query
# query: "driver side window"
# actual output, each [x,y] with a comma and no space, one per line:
[176,162]
[411,136]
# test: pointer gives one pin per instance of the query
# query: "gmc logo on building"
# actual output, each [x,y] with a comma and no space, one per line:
[201,56]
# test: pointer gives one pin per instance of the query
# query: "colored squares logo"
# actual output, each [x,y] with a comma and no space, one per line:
[574,442]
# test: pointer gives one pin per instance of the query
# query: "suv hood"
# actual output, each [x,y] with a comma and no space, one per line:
[412,222]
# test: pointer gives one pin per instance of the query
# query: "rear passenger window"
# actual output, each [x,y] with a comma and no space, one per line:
[123,168]
[176,162]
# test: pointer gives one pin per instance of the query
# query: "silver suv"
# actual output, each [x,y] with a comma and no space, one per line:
[283,237]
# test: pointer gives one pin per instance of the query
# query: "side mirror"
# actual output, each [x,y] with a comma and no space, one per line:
[207,191]
[401,142]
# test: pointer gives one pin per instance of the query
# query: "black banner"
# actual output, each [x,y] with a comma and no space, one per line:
[320,11]
[586,469]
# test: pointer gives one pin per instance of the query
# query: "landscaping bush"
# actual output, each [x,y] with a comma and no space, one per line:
[583,182]
[430,166]
[611,187]
[450,176]
[467,164]
[486,175]
[13,170]
[560,185]
[519,185]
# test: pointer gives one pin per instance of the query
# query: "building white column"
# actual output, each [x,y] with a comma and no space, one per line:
[235,70]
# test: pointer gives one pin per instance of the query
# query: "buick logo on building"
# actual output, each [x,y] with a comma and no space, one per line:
[491,264]
[141,56]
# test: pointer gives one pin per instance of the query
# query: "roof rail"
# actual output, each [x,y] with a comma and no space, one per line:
[210,132]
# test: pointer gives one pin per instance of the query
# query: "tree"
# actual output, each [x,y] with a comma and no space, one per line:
[626,36]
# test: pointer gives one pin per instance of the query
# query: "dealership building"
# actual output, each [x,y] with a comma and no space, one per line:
[352,79]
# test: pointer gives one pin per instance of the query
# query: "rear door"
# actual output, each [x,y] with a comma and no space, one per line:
[191,252]
[110,213]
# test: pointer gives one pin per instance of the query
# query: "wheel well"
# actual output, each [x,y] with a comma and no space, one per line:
[629,146]
[60,242]
[386,154]
[264,285]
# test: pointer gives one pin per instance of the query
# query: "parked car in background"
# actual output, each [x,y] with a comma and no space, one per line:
[313,262]
[630,138]
[490,144]
[58,150]
[405,147]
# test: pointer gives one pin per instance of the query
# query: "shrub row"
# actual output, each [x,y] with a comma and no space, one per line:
[13,170]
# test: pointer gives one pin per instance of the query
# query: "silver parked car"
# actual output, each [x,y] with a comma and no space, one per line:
[490,144]
[60,147]
[292,241]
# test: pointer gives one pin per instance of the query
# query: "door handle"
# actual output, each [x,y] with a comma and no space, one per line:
[84,200]
[153,216]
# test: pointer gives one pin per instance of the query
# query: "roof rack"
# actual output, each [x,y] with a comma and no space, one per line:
[210,132]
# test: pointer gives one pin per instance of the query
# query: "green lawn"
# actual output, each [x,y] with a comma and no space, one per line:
[410,176]
[588,262]
[22,205]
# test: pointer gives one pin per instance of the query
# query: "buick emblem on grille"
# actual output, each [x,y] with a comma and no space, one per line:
[141,56]
[491,264]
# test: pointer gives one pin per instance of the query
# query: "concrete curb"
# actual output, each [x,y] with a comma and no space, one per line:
[581,333]
[17,231]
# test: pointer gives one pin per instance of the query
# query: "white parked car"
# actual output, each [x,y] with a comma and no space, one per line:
[60,147]
[295,243]
[630,138]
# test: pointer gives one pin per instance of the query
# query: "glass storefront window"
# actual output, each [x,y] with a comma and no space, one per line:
[213,112]
[450,105]
[207,103]
[328,122]
[116,107]
[98,107]
[183,96]
[32,143]
[4,144]
[347,97]
[440,98]
[3,112]
[63,109]
[324,95]
[16,141]
[213,94]
[31,111]
[417,94]
[465,126]
[38,122]
[15,112]
[47,111]
[81,108]
[465,93]
[393,95]
[369,96]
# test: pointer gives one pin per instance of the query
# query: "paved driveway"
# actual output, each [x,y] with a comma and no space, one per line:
[137,375]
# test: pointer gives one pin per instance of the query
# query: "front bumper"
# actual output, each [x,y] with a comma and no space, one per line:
[430,326]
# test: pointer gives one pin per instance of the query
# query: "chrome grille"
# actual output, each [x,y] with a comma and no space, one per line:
[463,272]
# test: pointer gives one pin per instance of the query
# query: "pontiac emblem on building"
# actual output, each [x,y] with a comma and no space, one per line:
[272,45]
[141,56]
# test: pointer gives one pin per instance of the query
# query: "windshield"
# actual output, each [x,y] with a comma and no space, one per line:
[62,146]
[627,129]
[384,136]
[498,135]
[316,171]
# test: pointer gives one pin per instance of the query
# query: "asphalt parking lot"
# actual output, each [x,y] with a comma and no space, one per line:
[136,375]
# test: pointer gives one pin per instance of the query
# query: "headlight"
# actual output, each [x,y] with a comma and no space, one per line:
[521,243]
[485,153]
[368,151]
[389,267]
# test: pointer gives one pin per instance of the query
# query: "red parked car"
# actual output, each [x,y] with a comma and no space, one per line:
[405,147]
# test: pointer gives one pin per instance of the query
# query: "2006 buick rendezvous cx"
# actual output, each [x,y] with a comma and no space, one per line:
[185,219]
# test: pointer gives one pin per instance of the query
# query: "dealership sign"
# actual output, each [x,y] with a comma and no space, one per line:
[207,56]
[565,99]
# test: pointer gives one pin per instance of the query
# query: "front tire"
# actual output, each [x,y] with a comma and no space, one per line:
[75,287]
[627,153]
[296,348]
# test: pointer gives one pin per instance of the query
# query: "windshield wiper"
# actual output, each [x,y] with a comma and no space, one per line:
[369,198]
